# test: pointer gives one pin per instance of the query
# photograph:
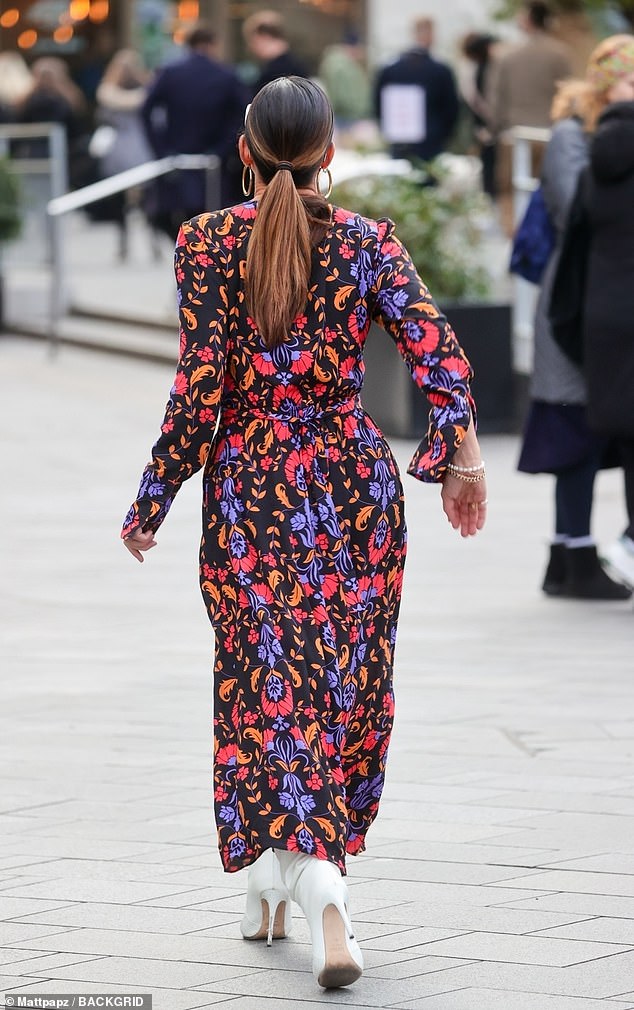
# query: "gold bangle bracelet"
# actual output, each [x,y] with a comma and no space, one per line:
[467,478]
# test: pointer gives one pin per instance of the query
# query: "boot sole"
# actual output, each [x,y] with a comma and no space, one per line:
[340,968]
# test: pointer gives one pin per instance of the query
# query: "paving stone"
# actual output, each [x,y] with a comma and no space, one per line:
[496,999]
[599,979]
[140,918]
[78,889]
[162,999]
[24,962]
[602,929]
[578,882]
[527,949]
[413,967]
[150,972]
[15,932]
[579,905]
[301,988]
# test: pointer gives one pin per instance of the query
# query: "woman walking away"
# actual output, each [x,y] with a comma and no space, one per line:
[557,437]
[303,530]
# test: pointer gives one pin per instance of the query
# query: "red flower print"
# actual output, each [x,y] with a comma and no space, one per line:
[263,363]
[181,383]
[276,697]
[203,259]
[205,353]
[227,754]
[380,540]
[302,363]
[314,782]
[246,212]
[167,427]
[329,585]
[389,250]
[300,322]
[346,251]
[229,241]
[363,469]
[207,416]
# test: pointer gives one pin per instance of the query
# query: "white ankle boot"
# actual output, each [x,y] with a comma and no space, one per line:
[268,911]
[319,889]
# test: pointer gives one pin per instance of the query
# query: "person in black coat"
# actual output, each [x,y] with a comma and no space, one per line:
[195,106]
[608,331]
[417,83]
[265,36]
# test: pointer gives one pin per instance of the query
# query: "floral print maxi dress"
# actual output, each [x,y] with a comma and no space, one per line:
[304,537]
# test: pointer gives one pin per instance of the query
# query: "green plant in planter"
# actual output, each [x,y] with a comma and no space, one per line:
[439,225]
[9,202]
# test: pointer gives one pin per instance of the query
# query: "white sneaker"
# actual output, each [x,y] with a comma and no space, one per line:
[620,558]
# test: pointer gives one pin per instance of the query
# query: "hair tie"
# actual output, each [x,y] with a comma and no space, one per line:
[283,166]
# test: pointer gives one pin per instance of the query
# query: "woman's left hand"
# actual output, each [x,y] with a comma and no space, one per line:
[465,504]
[138,542]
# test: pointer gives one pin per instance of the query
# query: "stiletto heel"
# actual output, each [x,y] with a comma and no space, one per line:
[318,887]
[268,910]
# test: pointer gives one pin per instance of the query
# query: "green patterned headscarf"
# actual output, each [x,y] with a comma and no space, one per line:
[612,59]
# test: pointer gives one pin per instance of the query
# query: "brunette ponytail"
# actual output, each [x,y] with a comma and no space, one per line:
[288,130]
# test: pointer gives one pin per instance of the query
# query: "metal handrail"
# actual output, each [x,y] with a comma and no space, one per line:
[119,183]
[132,177]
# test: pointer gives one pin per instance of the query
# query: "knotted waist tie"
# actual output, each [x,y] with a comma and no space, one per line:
[302,414]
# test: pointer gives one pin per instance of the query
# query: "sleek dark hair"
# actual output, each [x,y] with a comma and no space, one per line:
[288,130]
[538,13]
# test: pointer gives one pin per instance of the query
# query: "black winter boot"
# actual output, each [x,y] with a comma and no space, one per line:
[587,580]
[555,577]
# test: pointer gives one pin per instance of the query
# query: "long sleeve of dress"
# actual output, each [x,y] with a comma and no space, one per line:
[192,409]
[403,305]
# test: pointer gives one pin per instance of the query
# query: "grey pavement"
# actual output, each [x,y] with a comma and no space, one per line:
[500,873]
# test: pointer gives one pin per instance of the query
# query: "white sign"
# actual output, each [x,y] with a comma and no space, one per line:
[403,113]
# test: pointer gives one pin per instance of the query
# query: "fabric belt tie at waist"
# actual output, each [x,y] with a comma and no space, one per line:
[305,415]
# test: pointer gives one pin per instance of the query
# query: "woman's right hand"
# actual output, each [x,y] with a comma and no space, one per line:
[464,504]
[138,542]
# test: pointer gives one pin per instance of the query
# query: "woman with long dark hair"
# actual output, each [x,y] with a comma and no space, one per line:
[303,529]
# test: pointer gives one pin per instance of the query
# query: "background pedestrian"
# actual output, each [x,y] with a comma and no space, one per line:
[608,337]
[265,35]
[557,437]
[194,106]
[416,100]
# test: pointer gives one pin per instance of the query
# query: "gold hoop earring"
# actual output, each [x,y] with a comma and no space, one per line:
[248,181]
[330,183]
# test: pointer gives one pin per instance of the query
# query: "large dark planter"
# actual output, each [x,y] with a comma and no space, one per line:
[400,409]
[484,331]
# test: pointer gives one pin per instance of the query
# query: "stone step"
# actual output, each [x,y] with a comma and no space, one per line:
[108,333]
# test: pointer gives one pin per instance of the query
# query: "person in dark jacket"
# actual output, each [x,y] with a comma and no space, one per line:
[558,438]
[265,36]
[195,106]
[609,303]
[416,100]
